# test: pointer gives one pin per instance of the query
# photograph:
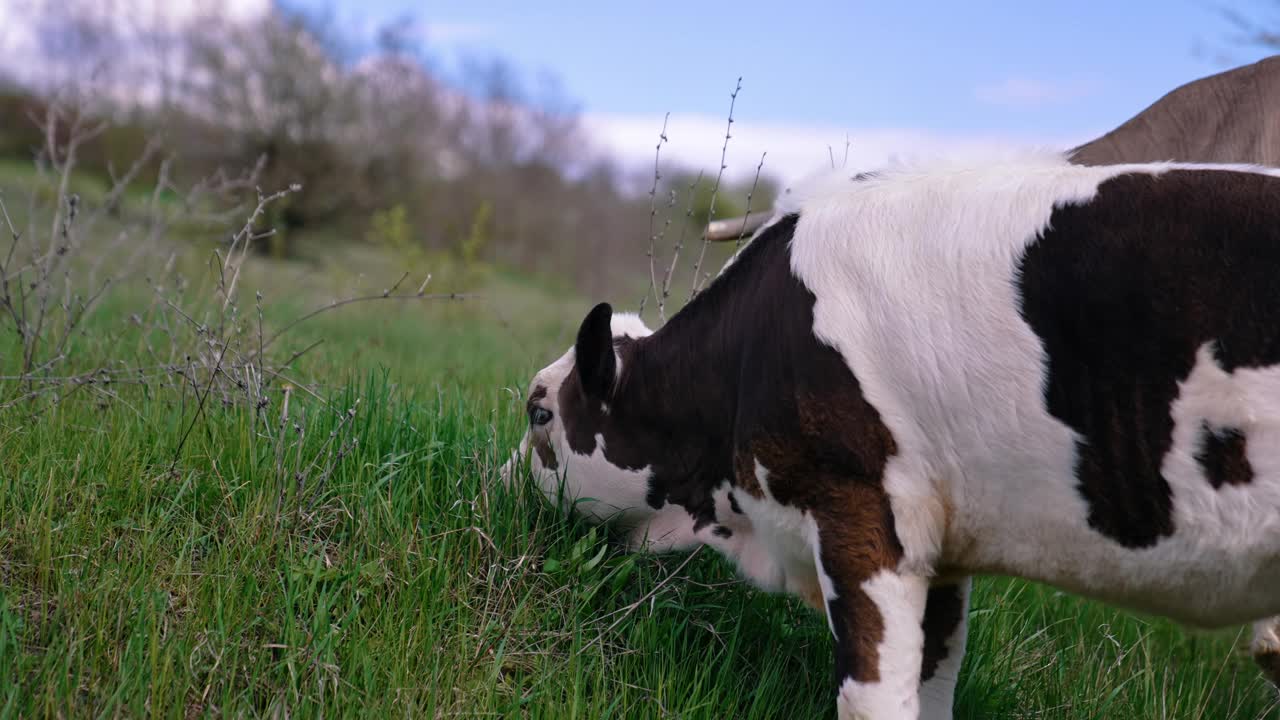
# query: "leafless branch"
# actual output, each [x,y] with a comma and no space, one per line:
[243,239]
[746,218]
[675,251]
[177,452]
[715,191]
[653,215]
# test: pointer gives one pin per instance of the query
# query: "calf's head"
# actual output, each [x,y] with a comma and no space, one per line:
[603,437]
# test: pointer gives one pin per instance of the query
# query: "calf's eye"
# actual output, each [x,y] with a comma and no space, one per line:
[539,416]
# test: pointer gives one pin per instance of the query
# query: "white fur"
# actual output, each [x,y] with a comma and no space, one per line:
[779,556]
[824,580]
[671,528]
[617,494]
[667,529]
[628,325]
[1266,636]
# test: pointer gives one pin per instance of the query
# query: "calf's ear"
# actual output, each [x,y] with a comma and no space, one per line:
[593,353]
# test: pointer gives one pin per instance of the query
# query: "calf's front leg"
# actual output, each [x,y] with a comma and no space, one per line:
[945,634]
[874,611]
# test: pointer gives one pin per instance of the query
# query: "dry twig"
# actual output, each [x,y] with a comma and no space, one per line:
[698,280]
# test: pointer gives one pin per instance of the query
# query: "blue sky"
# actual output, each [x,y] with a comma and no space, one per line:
[891,76]
[1025,71]
[975,65]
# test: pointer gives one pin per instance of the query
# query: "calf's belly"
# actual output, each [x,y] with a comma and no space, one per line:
[1206,574]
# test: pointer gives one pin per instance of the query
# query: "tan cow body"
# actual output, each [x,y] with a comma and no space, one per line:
[1231,117]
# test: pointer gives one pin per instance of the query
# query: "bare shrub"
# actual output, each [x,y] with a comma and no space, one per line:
[200,338]
[702,204]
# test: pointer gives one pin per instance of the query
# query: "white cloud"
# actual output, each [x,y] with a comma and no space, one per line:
[1023,93]
[450,33]
[23,21]
[794,151]
[432,35]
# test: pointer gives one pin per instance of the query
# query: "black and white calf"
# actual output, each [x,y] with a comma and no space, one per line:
[1027,368]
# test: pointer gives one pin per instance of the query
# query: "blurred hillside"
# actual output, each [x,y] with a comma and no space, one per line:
[452,172]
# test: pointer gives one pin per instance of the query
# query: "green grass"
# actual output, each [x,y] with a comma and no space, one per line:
[407,582]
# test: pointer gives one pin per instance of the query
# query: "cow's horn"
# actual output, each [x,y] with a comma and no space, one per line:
[735,228]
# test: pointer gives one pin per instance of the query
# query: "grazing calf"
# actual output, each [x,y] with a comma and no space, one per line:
[1028,368]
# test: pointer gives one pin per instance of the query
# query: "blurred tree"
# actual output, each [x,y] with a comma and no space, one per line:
[485,166]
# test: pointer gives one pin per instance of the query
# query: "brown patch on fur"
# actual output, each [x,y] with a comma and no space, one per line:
[857,540]
[813,598]
[1270,664]
[542,445]
[831,464]
[942,615]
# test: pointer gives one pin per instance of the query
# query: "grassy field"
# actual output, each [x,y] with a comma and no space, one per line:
[360,559]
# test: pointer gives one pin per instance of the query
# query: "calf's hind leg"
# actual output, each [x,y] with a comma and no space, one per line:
[1266,648]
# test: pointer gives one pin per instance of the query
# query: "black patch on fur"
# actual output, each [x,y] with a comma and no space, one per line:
[593,353]
[1223,456]
[671,412]
[733,504]
[1122,292]
[538,436]
[942,615]
[735,368]
[723,531]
